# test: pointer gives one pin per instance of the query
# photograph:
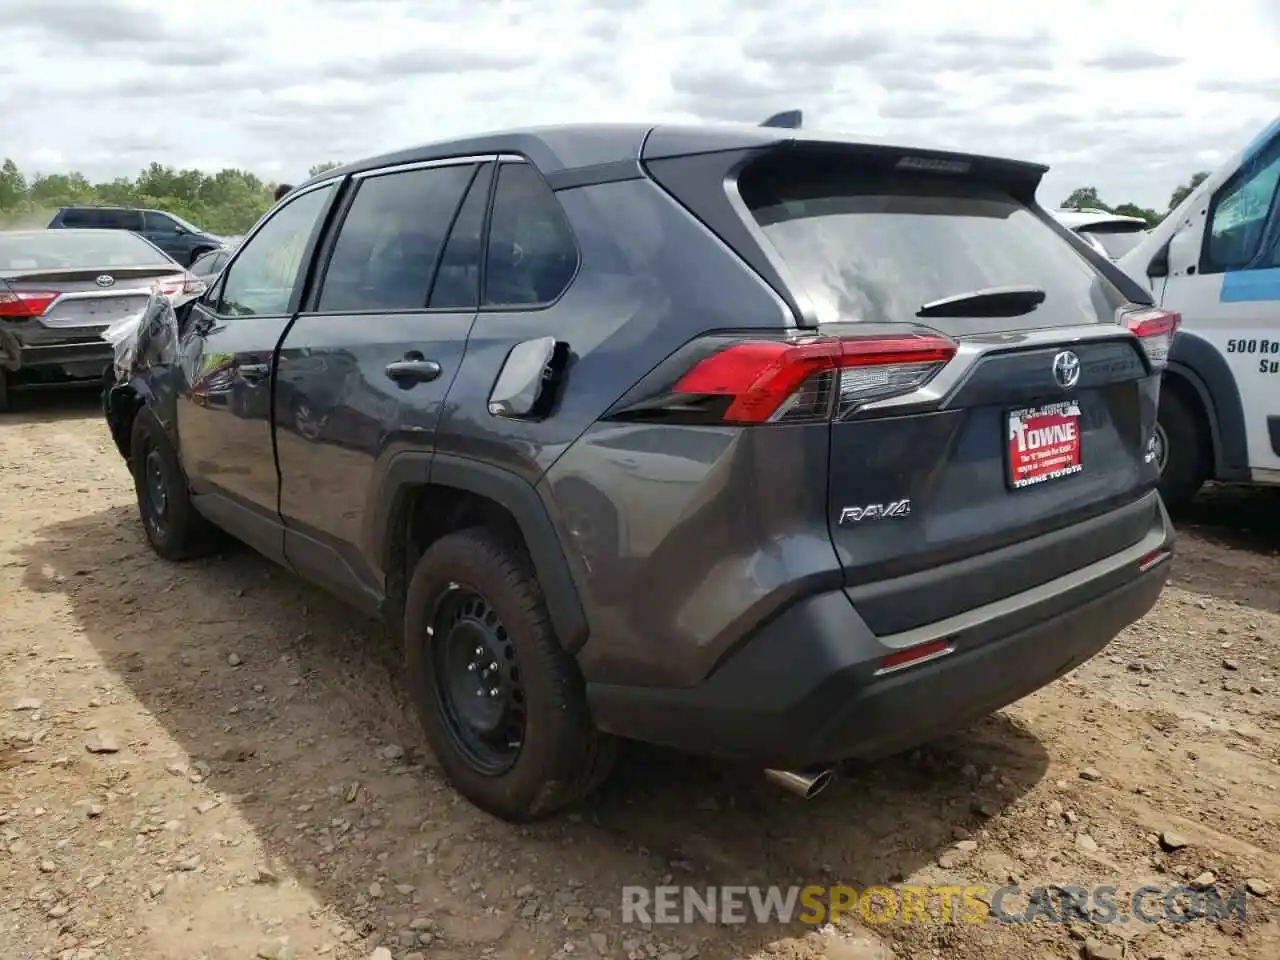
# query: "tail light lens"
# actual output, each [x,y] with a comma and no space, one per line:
[193,285]
[172,286]
[20,305]
[788,381]
[1154,329]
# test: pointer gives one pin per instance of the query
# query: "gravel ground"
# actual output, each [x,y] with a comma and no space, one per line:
[214,760]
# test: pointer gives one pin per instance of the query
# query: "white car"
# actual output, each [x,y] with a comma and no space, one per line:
[1111,234]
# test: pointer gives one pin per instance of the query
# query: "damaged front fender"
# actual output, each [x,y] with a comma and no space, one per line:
[145,347]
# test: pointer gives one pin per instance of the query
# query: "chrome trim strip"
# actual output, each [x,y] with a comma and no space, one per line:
[100,295]
[443,162]
[971,350]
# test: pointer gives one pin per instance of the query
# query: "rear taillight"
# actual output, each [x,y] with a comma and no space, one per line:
[1154,329]
[789,381]
[193,285]
[21,305]
[172,286]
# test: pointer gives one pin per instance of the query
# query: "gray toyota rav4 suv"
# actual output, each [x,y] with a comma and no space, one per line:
[773,447]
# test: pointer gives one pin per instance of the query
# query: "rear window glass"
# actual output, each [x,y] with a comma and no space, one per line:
[69,250]
[876,247]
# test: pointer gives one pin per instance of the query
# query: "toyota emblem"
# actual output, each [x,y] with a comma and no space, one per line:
[105,280]
[1066,369]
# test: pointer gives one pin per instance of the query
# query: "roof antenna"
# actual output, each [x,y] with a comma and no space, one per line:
[787,120]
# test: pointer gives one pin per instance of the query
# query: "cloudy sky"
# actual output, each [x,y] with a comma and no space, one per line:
[1131,97]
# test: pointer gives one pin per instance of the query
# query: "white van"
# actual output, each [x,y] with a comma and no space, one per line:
[1216,260]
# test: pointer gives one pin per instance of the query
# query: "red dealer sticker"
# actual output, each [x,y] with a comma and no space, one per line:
[1044,443]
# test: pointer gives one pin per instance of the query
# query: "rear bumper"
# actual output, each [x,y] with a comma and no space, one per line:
[805,690]
[89,355]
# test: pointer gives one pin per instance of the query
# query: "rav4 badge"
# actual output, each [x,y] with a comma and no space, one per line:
[876,511]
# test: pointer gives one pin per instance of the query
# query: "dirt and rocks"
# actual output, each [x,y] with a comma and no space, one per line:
[215,761]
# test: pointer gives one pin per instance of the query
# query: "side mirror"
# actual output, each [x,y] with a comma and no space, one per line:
[527,384]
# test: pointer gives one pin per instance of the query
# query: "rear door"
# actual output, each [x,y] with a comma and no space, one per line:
[366,367]
[228,352]
[966,423]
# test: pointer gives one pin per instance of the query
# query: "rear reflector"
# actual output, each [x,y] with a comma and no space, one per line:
[23,304]
[1154,558]
[1154,329]
[917,654]
[772,381]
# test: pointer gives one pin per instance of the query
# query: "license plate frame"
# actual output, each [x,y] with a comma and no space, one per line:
[1043,444]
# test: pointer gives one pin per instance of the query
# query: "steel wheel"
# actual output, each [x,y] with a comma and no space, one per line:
[156,490]
[1160,445]
[478,685]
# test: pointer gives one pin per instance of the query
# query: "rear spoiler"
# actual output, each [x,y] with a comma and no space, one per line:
[787,120]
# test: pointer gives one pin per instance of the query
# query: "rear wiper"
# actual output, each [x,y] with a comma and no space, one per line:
[991,302]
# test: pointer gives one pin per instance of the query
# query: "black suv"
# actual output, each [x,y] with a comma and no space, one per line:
[170,233]
[773,448]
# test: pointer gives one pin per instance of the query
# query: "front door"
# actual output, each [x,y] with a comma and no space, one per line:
[228,350]
[366,367]
[1230,295]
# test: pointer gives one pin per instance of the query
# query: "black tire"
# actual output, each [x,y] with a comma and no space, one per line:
[4,391]
[486,589]
[173,527]
[1187,453]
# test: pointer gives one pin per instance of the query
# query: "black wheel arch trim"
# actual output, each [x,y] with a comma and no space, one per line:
[410,469]
[1201,365]
[121,403]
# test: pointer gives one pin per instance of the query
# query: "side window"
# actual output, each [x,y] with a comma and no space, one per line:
[79,218]
[159,223]
[122,219]
[457,284]
[1239,212]
[265,271]
[532,255]
[390,240]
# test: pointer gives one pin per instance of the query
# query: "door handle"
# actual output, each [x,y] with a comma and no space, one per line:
[253,371]
[409,372]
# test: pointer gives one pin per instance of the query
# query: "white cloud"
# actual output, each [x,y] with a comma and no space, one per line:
[1127,97]
[44,158]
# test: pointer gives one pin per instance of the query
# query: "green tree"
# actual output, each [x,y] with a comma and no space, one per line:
[1133,210]
[1186,189]
[227,202]
[1083,197]
[13,186]
[325,167]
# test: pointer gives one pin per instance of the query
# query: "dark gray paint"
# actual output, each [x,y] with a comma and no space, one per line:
[664,550]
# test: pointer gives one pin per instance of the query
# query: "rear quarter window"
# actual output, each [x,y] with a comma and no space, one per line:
[876,247]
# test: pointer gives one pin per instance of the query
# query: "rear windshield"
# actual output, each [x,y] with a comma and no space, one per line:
[875,247]
[1117,241]
[74,250]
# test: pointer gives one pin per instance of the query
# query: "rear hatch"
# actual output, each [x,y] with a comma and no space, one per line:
[993,393]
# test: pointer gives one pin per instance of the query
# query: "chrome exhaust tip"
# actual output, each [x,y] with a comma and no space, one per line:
[803,785]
